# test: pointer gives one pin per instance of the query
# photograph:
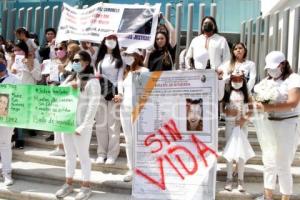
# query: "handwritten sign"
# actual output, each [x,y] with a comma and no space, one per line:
[19,64]
[133,24]
[175,144]
[39,107]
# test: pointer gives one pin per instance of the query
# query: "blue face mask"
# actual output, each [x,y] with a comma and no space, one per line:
[76,67]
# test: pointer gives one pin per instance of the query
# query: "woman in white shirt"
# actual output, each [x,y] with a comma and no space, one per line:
[283,115]
[79,142]
[24,65]
[240,63]
[109,65]
[215,44]
[134,62]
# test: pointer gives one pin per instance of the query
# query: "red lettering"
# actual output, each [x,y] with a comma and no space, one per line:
[202,149]
[173,130]
[161,184]
[174,167]
[182,148]
[148,141]
[163,135]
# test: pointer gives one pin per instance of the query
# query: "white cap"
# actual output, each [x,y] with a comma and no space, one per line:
[273,59]
[132,49]
[200,60]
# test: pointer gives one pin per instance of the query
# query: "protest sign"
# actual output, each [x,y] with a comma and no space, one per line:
[19,64]
[175,135]
[133,24]
[39,107]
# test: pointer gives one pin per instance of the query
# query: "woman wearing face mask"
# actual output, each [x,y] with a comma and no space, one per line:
[134,62]
[284,118]
[210,40]
[162,57]
[28,70]
[79,142]
[110,65]
[236,102]
[239,62]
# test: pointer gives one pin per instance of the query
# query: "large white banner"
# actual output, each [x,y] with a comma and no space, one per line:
[175,135]
[133,24]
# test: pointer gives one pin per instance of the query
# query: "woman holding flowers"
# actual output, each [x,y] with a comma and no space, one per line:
[283,116]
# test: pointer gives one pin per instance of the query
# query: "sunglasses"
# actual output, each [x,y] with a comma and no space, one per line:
[60,48]
[76,60]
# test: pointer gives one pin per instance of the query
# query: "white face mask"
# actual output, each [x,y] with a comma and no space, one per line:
[129,60]
[237,85]
[111,44]
[274,73]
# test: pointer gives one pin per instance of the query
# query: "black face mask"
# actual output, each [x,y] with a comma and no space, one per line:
[208,27]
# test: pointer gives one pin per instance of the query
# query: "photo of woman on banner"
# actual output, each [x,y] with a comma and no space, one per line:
[136,20]
[194,114]
[4,104]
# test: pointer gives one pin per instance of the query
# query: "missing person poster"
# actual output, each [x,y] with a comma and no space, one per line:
[38,107]
[133,24]
[175,135]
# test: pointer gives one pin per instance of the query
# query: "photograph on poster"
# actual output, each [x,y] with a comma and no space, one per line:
[4,104]
[194,114]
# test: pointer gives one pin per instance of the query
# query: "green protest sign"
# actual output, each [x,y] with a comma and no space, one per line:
[38,107]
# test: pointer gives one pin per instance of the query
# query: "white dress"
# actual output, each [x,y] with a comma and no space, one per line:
[237,145]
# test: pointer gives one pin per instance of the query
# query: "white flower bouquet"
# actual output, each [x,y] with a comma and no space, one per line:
[266,91]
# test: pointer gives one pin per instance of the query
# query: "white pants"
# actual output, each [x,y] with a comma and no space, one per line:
[78,145]
[5,148]
[108,129]
[241,163]
[286,133]
[126,122]
[57,138]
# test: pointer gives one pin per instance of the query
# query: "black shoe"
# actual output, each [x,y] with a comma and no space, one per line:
[32,133]
[50,138]
[19,144]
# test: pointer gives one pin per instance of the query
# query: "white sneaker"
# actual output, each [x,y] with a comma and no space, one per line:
[57,152]
[8,181]
[64,191]
[84,193]
[128,177]
[110,161]
[100,160]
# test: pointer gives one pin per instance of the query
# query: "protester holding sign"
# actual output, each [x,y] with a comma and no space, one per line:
[23,35]
[6,132]
[162,57]
[109,65]
[283,115]
[79,142]
[28,71]
[210,40]
[134,62]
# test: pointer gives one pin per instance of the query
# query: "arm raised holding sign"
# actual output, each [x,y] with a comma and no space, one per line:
[25,66]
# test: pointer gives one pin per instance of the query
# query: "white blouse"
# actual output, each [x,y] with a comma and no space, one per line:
[218,49]
[283,86]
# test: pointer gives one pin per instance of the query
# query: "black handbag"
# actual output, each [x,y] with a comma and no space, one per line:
[108,90]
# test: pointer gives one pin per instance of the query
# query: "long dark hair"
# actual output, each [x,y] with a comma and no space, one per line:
[23,46]
[166,59]
[244,90]
[115,52]
[286,72]
[215,30]
[233,57]
[24,31]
